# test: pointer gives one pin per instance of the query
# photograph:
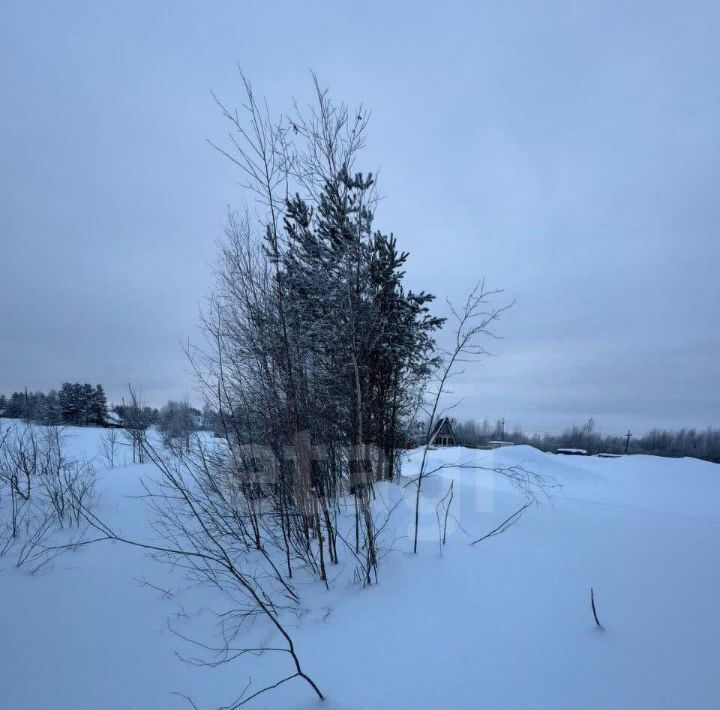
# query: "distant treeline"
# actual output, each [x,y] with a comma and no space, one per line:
[701,444]
[74,403]
[84,404]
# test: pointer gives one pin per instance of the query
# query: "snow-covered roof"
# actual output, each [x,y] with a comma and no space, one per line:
[113,418]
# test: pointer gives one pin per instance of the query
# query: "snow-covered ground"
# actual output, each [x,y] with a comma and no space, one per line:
[502,624]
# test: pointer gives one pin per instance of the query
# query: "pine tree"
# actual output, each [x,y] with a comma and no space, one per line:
[87,403]
[54,414]
[70,399]
[365,340]
[98,406]
[16,406]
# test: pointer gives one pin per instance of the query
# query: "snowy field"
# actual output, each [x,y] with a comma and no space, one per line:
[502,624]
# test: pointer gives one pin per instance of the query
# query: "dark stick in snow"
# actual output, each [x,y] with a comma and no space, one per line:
[505,524]
[594,611]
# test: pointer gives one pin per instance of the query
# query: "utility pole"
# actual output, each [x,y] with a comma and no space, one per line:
[627,440]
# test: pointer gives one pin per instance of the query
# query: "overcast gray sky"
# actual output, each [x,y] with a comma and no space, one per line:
[566,151]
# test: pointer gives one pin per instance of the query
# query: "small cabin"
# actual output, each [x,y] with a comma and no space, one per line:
[442,434]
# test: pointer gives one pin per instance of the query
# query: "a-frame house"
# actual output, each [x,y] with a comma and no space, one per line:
[442,434]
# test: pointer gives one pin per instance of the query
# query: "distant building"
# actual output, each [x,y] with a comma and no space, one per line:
[572,452]
[113,419]
[499,444]
[442,434]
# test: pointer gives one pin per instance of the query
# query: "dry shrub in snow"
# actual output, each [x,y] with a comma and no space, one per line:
[41,490]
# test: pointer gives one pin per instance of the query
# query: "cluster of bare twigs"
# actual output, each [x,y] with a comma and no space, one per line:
[472,325]
[219,513]
[41,490]
[315,350]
